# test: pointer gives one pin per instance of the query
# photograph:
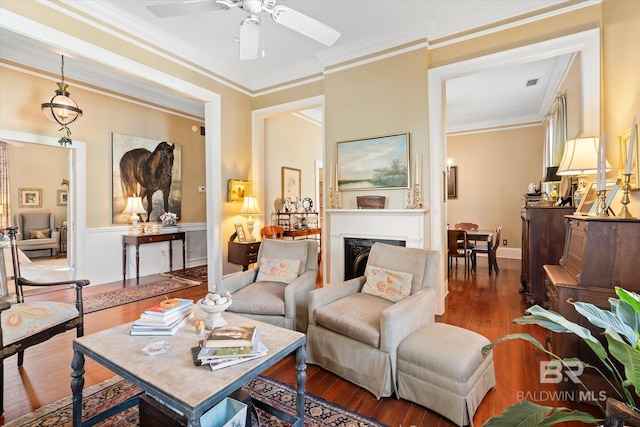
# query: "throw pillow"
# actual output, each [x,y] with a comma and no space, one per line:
[277,270]
[388,284]
[44,233]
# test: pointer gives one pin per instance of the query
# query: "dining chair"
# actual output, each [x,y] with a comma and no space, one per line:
[272,232]
[456,250]
[490,251]
[466,226]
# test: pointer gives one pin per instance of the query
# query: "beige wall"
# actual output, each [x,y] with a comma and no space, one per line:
[43,167]
[295,143]
[494,169]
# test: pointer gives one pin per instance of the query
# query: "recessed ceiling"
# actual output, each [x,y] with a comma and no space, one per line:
[206,39]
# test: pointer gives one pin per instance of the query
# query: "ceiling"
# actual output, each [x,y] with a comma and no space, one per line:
[493,98]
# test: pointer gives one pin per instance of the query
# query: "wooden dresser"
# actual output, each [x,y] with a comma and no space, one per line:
[599,254]
[543,232]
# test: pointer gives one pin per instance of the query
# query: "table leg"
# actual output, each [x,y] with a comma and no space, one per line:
[184,258]
[124,260]
[301,378]
[489,256]
[77,384]
[170,256]
[137,263]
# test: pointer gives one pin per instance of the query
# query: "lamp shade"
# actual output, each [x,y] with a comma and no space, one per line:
[61,108]
[551,175]
[134,206]
[250,206]
[580,157]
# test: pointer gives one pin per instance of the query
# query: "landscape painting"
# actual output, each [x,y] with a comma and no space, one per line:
[373,163]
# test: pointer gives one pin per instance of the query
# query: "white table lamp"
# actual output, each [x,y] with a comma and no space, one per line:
[134,207]
[250,207]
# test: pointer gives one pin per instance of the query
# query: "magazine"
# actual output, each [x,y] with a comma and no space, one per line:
[231,336]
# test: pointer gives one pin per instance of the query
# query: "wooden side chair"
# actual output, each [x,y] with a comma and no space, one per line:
[457,250]
[272,232]
[466,226]
[490,251]
[24,324]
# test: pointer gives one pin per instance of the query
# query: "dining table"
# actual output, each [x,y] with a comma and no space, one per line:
[483,236]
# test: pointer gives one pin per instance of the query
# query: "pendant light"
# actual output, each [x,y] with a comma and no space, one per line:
[62,109]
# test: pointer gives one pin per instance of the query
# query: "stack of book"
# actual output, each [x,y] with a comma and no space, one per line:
[230,345]
[156,320]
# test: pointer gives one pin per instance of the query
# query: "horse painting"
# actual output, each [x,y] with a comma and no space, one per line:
[148,171]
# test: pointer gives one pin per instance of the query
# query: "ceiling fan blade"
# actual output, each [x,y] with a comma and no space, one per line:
[187,7]
[305,25]
[249,38]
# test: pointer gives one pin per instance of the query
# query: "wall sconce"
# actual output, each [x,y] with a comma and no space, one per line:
[62,109]
[250,207]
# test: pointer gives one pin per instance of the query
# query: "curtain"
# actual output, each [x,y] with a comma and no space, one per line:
[4,185]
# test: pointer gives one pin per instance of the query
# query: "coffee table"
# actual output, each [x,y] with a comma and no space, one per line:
[171,377]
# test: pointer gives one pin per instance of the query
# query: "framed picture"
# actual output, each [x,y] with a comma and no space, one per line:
[588,200]
[452,183]
[625,139]
[237,189]
[242,237]
[291,183]
[373,163]
[30,197]
[62,198]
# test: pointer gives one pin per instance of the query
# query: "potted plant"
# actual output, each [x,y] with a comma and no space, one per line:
[621,324]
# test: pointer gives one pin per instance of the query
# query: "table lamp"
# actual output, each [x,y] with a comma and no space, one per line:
[134,207]
[250,207]
[580,158]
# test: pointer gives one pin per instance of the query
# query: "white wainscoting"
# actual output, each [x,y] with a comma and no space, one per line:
[103,257]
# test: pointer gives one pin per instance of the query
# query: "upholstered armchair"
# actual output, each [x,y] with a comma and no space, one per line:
[27,323]
[37,231]
[355,327]
[277,290]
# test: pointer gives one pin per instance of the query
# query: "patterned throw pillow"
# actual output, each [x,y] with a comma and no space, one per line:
[45,233]
[278,270]
[388,284]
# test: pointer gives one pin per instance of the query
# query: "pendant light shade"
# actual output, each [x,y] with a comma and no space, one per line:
[62,109]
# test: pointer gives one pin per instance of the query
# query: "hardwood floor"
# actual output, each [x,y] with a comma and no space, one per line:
[480,303]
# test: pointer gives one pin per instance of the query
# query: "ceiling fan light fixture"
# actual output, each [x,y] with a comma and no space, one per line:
[249,38]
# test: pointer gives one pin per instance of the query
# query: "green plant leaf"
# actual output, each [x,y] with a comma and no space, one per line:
[605,319]
[628,356]
[526,337]
[631,298]
[625,312]
[528,414]
[548,319]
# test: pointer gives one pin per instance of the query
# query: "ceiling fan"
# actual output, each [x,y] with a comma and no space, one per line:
[250,26]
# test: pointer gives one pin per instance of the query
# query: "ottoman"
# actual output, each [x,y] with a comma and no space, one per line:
[441,367]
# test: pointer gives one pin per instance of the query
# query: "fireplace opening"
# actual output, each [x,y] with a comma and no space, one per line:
[356,254]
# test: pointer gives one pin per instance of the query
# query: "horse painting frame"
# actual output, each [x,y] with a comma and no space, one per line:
[133,159]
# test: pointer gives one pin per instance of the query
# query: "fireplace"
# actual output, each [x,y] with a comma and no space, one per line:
[356,253]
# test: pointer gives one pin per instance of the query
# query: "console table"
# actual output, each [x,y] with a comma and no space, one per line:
[141,239]
[306,232]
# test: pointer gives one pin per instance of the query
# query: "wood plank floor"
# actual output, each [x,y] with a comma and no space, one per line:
[478,302]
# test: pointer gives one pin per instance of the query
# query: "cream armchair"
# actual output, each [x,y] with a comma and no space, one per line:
[356,334]
[256,296]
[29,223]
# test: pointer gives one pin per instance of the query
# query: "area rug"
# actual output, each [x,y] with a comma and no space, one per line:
[135,293]
[318,412]
[198,273]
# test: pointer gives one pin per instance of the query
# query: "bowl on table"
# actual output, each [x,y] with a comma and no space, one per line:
[214,313]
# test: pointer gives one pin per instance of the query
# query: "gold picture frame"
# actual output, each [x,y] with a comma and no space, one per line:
[242,237]
[30,197]
[62,198]
[237,189]
[624,140]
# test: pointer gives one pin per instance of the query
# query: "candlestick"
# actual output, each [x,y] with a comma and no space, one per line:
[624,213]
[409,193]
[632,140]
[330,198]
[601,207]
[417,204]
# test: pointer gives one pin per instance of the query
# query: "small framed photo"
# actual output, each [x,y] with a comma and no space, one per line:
[237,189]
[62,197]
[30,197]
[242,237]
[291,183]
[588,200]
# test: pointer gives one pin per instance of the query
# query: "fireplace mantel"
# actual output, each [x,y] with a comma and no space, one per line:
[408,225]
